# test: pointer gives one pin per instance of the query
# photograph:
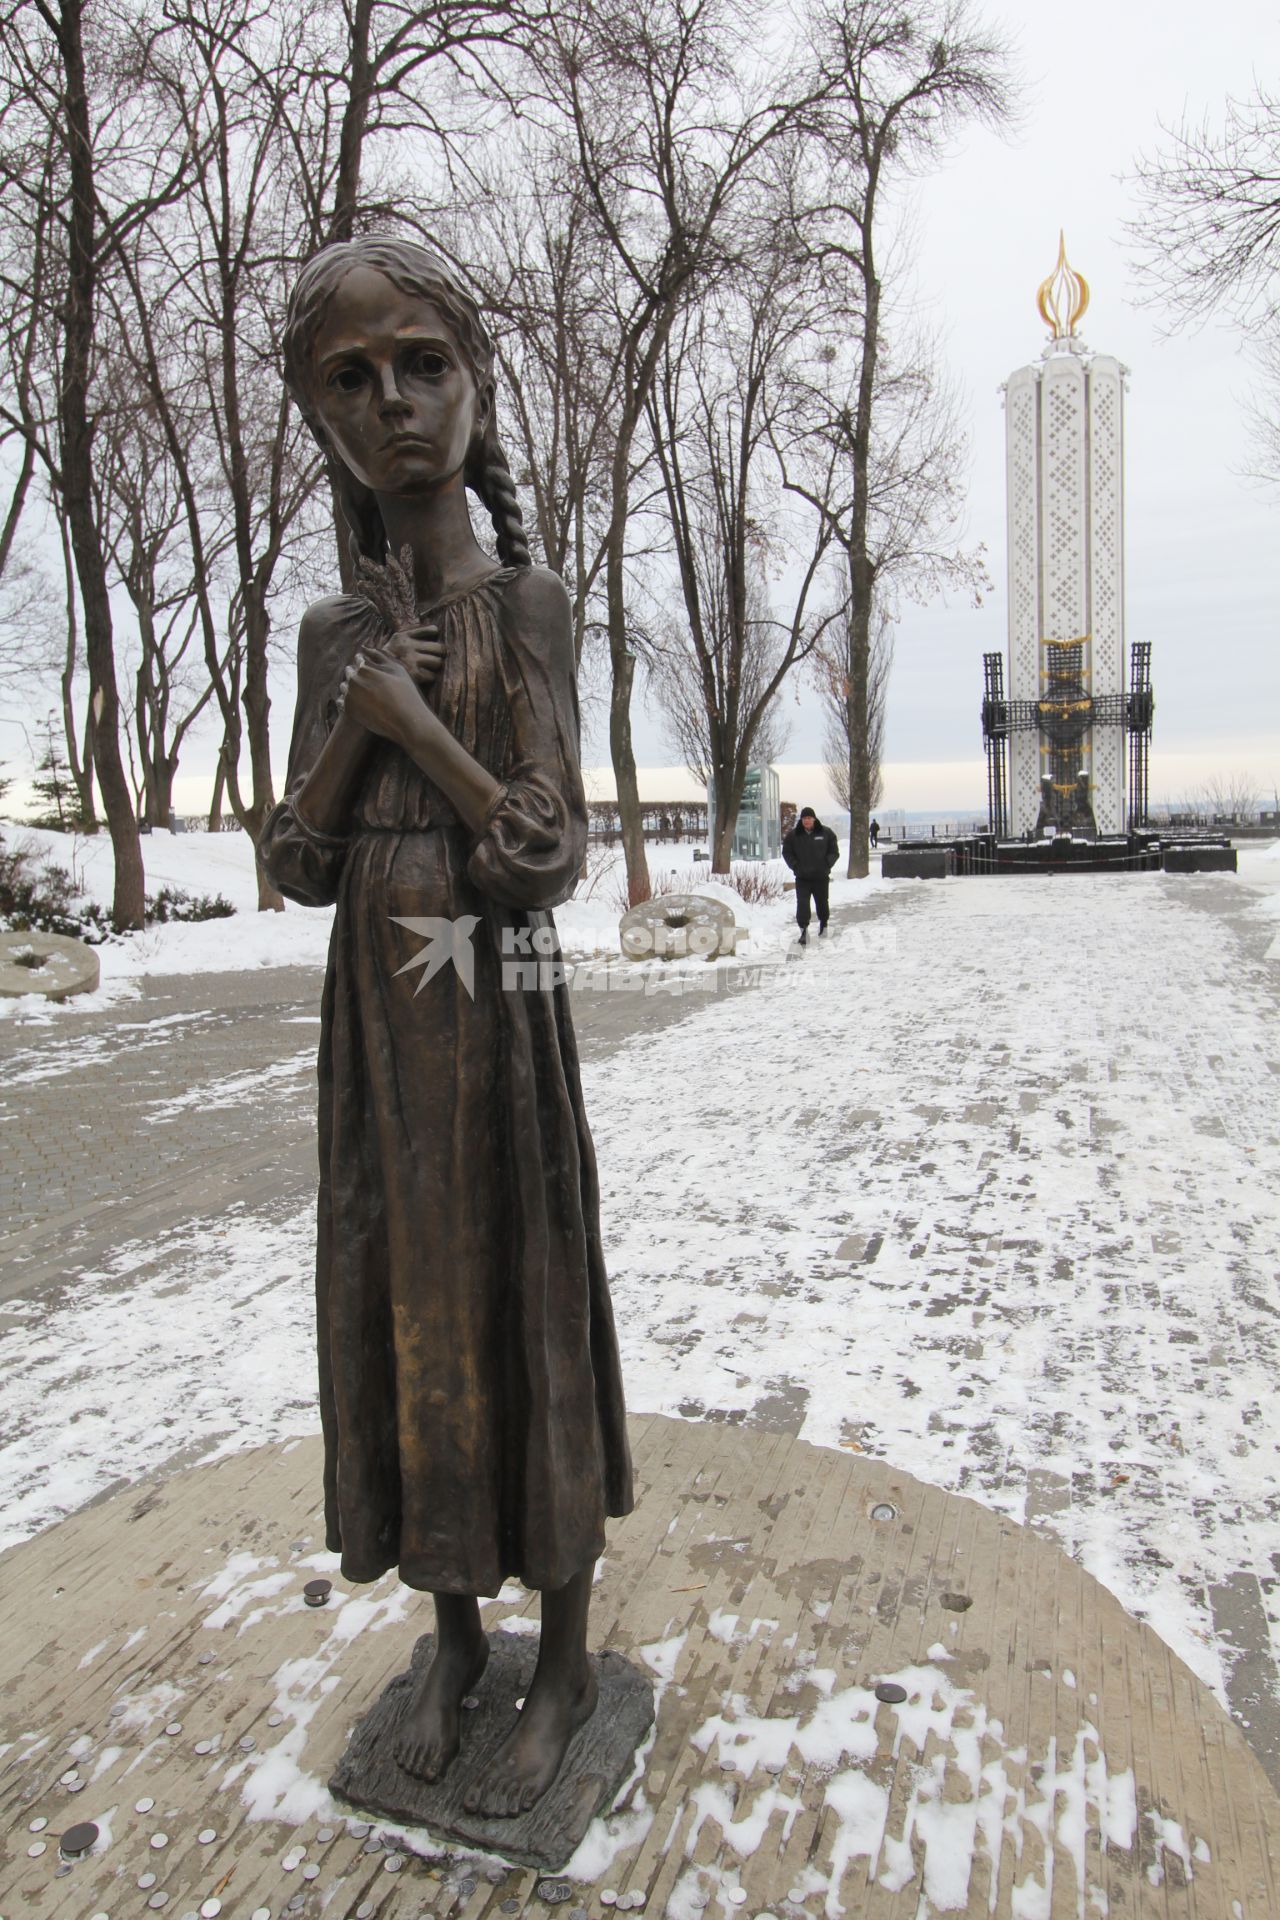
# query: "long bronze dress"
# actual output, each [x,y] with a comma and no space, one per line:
[470,1391]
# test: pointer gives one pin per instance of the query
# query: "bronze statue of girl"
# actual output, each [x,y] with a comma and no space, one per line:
[469,1384]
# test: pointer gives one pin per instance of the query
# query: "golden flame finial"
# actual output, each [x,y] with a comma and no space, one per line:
[1063,297]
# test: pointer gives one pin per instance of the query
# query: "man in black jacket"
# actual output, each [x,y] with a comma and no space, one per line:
[811,850]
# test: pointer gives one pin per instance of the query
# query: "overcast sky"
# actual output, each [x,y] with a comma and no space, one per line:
[1203,543]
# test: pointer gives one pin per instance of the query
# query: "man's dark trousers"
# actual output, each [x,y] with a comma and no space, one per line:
[817,891]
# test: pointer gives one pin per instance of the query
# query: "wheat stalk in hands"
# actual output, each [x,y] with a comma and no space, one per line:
[389,589]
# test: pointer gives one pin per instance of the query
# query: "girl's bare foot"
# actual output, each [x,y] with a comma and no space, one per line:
[530,1758]
[430,1733]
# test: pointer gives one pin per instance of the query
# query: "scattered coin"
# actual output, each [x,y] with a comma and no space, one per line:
[466,1887]
[555,1892]
[891,1693]
[372,1845]
[207,1836]
[393,1862]
[210,1910]
[609,1898]
[174,1727]
[159,1840]
[324,1835]
[358,1829]
[158,1900]
[146,1880]
[578,1913]
[143,1806]
[311,1871]
[248,1743]
[738,1896]
[275,1719]
[364,1910]
[73,1773]
[36,1848]
[76,1786]
[205,1746]
[470,1702]
[206,1659]
[60,1872]
[260,1913]
[292,1859]
[509,1906]
[38,1825]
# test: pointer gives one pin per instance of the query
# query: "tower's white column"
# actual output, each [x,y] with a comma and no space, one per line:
[1022,493]
[1106,580]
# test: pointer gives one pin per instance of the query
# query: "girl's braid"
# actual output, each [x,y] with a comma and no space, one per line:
[497,489]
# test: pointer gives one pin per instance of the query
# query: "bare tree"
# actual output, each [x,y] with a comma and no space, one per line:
[202,304]
[1232,797]
[67,100]
[146,532]
[526,240]
[896,86]
[1207,240]
[1208,234]
[724,377]
[832,670]
[667,136]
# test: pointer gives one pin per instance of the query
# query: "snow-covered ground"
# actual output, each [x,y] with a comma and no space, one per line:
[222,863]
[985,1184]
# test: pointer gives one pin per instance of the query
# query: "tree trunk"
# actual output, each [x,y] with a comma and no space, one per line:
[129,900]
[861,570]
[623,664]
[257,707]
[624,771]
[859,756]
[215,805]
[722,841]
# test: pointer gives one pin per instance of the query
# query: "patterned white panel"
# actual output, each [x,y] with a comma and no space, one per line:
[1063,488]
[1106,569]
[1021,456]
[1108,779]
[1024,782]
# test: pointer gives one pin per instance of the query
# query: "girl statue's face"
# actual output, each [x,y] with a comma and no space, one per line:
[396,397]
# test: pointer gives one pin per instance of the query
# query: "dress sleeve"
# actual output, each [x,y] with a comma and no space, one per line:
[305,864]
[534,839]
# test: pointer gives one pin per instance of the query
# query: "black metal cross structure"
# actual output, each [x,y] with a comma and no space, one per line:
[1062,717]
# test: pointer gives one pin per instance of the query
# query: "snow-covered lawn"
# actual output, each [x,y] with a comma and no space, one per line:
[222,863]
[985,1184]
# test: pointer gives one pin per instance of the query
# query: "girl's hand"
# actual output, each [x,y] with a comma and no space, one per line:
[378,694]
[419,649]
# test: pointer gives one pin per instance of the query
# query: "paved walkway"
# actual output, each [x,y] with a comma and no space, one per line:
[126,1123]
[1075,1102]
[874,1699]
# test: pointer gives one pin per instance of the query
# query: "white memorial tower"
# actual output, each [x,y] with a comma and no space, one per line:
[1064,439]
